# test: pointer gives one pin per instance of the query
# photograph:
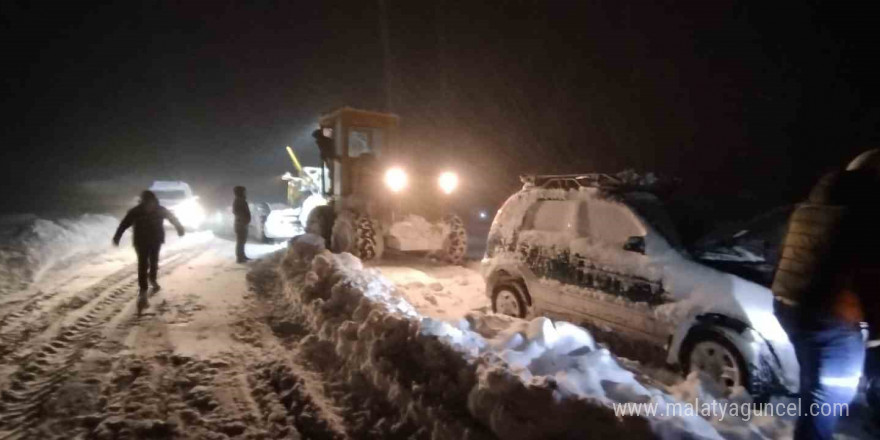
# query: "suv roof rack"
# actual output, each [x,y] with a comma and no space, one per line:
[627,180]
[570,181]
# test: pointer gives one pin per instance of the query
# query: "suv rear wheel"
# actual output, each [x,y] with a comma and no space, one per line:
[509,299]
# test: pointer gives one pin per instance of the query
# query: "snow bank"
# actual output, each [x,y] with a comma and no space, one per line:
[487,373]
[30,246]
[417,233]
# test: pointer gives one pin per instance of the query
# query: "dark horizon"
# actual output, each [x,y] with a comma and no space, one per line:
[741,100]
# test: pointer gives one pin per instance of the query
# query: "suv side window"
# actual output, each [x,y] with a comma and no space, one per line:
[583,220]
[612,224]
[551,216]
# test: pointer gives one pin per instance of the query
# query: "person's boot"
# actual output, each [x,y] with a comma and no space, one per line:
[155,287]
[142,302]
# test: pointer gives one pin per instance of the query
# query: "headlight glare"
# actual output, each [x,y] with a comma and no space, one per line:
[396,179]
[190,213]
[448,182]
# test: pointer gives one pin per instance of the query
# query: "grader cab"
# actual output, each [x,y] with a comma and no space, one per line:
[375,203]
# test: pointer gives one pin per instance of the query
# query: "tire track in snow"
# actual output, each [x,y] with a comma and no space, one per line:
[11,308]
[295,387]
[14,310]
[32,319]
[45,369]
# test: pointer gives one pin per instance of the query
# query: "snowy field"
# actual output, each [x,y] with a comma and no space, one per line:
[305,344]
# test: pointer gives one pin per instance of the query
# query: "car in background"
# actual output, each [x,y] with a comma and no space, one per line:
[602,251]
[270,222]
[178,197]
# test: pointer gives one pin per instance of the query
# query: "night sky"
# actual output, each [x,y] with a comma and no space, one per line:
[744,101]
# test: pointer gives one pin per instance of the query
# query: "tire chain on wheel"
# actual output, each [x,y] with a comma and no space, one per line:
[455,245]
[365,237]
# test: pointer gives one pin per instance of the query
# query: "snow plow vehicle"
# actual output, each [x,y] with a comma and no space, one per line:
[303,192]
[376,201]
[601,250]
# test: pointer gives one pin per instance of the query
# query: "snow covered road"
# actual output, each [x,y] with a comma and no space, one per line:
[436,289]
[218,354]
[270,350]
[76,362]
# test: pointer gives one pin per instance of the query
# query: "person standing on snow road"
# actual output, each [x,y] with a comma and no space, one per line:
[148,219]
[242,219]
[827,285]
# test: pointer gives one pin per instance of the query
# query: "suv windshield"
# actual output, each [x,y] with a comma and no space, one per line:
[170,194]
[650,208]
[748,249]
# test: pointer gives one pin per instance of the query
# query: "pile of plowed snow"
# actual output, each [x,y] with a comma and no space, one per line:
[485,374]
[29,246]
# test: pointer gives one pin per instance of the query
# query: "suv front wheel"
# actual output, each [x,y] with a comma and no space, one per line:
[711,353]
[509,299]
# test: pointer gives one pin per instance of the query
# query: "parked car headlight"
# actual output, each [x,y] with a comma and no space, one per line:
[448,182]
[190,213]
[396,179]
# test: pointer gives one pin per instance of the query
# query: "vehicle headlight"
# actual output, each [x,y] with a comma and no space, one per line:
[448,181]
[396,179]
[190,213]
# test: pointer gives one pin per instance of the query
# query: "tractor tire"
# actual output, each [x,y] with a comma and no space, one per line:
[455,244]
[368,243]
[320,222]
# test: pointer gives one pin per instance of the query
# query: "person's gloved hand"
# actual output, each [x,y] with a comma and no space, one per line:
[181,233]
[116,242]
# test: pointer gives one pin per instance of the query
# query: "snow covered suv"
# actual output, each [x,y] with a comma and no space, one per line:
[599,251]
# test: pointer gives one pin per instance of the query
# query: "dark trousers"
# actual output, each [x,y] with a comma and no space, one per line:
[831,355]
[148,263]
[241,233]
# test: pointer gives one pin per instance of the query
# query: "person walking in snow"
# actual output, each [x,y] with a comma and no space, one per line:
[148,219]
[242,214]
[826,286]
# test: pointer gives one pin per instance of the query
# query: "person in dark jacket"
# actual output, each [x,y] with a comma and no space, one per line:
[826,286]
[327,152]
[242,219]
[148,219]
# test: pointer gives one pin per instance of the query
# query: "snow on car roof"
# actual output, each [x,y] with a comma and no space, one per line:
[646,205]
[168,184]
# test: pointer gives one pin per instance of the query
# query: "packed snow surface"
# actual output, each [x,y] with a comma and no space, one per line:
[435,289]
[417,233]
[306,344]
